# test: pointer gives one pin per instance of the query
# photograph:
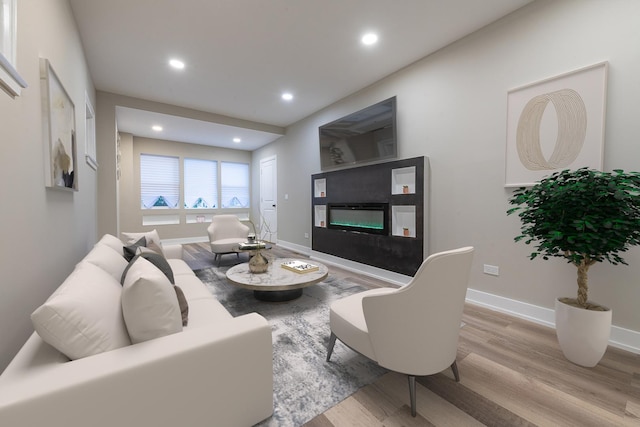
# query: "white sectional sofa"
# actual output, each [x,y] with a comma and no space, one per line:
[215,371]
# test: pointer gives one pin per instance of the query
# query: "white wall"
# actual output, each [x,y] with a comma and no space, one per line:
[44,232]
[452,109]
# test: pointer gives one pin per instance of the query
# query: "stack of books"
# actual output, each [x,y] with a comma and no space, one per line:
[252,246]
[299,266]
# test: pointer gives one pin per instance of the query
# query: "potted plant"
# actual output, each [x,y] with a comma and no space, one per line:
[584,216]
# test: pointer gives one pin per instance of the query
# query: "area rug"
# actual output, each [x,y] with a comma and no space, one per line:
[305,385]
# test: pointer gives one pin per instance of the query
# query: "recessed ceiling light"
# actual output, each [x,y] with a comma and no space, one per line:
[287,96]
[237,140]
[177,64]
[369,39]
[157,128]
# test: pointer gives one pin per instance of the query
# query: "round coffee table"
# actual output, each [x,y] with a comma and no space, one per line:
[277,283]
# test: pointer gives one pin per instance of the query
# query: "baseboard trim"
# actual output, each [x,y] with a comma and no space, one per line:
[622,338]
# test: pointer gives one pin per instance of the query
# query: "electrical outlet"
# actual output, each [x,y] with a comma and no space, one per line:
[493,270]
[306,235]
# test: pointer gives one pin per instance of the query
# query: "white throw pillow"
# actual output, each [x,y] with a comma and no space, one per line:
[83,316]
[107,259]
[151,236]
[149,304]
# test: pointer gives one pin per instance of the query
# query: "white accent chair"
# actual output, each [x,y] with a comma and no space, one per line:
[414,329]
[225,233]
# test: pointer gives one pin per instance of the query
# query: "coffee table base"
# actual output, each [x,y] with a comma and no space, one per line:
[278,296]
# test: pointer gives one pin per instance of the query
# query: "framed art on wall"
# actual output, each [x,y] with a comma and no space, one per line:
[556,124]
[59,131]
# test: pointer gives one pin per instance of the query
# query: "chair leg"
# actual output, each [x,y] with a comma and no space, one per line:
[412,394]
[332,342]
[454,368]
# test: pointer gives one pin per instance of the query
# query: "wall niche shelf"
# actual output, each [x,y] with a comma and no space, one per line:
[403,180]
[320,188]
[403,221]
[320,216]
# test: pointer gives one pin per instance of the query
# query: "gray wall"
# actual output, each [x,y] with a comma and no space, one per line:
[452,109]
[44,232]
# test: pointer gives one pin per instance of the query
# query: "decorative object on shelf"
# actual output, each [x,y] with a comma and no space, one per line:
[59,125]
[299,266]
[405,189]
[405,232]
[576,98]
[585,216]
[258,263]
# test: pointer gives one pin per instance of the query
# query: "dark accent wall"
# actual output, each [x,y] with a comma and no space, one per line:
[372,184]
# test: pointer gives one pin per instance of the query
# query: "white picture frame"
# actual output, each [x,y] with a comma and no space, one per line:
[556,124]
[90,131]
[59,132]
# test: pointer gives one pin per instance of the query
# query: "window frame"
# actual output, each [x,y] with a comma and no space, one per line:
[178,185]
[248,178]
[216,183]
[10,80]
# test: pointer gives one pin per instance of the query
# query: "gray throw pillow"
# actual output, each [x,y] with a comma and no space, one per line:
[184,306]
[156,259]
[130,251]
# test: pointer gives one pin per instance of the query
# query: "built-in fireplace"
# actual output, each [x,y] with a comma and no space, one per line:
[361,217]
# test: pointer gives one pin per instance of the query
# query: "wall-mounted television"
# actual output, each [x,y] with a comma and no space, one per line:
[366,136]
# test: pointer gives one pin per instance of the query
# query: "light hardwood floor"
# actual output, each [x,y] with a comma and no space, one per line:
[512,374]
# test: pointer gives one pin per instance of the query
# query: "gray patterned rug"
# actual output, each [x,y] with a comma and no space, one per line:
[305,385]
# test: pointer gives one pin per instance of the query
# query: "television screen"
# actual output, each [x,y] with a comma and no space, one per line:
[365,136]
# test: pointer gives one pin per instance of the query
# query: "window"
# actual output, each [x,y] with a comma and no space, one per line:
[235,185]
[200,183]
[10,80]
[159,181]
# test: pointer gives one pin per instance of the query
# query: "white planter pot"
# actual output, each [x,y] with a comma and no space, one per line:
[583,334]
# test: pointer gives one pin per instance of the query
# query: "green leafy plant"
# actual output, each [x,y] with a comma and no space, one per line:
[584,215]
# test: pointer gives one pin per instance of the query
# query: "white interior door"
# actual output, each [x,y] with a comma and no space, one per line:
[268,198]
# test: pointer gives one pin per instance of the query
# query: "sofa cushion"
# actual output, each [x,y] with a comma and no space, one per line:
[205,312]
[83,316]
[107,259]
[180,268]
[149,303]
[112,241]
[193,288]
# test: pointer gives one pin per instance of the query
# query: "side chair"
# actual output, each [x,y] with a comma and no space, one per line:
[413,329]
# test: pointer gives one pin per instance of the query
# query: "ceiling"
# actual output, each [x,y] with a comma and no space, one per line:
[241,55]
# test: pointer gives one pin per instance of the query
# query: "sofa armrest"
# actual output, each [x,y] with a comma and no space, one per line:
[173,251]
[217,375]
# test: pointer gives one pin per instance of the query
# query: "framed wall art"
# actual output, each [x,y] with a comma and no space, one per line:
[59,132]
[556,124]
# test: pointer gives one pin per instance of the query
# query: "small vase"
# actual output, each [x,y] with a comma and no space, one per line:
[258,263]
